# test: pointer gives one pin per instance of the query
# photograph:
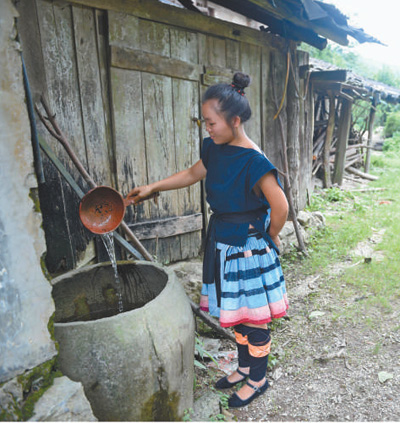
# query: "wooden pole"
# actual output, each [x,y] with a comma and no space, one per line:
[362,174]
[371,121]
[343,137]
[288,187]
[328,141]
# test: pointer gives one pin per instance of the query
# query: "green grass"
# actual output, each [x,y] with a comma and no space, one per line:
[352,218]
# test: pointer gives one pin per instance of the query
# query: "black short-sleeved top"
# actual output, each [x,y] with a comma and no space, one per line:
[232,172]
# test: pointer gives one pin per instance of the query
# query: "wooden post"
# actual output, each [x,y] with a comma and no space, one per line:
[328,140]
[343,137]
[293,130]
[370,131]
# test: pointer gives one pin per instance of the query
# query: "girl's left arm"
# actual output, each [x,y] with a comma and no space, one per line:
[277,200]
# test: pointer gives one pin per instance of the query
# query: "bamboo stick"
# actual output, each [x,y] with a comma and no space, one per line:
[367,190]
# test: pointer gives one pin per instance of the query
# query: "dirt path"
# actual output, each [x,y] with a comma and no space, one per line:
[337,355]
[329,366]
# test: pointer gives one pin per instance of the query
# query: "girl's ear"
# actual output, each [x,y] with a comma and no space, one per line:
[236,121]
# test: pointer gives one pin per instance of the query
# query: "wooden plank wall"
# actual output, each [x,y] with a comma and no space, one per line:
[154,104]
[64,54]
[126,88]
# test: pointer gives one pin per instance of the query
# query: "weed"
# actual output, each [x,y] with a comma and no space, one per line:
[218,418]
[187,415]
[335,194]
[272,361]
[377,348]
[377,161]
[223,399]
[199,347]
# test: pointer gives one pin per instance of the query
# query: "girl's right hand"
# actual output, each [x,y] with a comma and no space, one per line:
[138,194]
[276,240]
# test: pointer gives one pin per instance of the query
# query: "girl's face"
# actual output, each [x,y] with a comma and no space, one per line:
[216,125]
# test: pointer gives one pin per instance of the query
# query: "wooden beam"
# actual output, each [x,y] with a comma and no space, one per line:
[325,86]
[338,75]
[280,20]
[352,88]
[214,75]
[126,58]
[164,228]
[182,18]
[346,96]
[343,137]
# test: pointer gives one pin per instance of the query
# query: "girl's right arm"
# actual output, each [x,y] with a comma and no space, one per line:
[182,179]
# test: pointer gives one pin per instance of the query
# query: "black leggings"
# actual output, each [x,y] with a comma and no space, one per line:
[253,348]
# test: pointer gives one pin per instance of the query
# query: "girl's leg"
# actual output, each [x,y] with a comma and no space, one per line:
[259,343]
[243,359]
[243,355]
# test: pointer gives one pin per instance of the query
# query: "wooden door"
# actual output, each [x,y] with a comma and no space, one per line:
[155,103]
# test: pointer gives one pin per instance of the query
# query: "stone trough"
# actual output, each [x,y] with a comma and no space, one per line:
[136,365]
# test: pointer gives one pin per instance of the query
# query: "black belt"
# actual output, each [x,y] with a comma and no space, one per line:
[252,217]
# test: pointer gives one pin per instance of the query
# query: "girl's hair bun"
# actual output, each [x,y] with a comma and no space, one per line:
[241,80]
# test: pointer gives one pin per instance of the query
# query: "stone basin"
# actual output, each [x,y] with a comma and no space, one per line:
[136,365]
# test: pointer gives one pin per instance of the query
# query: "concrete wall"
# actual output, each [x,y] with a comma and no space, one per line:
[25,294]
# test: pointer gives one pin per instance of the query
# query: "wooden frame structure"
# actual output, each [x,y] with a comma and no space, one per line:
[335,93]
[125,79]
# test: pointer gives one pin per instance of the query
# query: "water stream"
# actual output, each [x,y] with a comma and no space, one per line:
[108,240]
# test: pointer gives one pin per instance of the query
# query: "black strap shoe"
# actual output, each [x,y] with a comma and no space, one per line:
[225,384]
[236,402]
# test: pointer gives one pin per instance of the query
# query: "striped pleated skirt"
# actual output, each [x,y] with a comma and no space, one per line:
[249,284]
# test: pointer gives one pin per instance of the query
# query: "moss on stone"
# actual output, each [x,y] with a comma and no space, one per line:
[110,296]
[161,407]
[43,266]
[50,328]
[34,384]
[82,309]
[34,196]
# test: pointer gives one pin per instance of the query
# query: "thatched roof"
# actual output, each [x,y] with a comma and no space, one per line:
[310,21]
[348,80]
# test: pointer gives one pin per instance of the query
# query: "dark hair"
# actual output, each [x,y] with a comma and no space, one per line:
[231,97]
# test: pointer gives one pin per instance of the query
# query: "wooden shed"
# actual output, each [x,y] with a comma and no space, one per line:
[124,80]
[337,146]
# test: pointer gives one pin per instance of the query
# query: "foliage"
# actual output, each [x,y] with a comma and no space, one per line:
[360,115]
[199,348]
[218,418]
[392,124]
[382,111]
[341,57]
[187,414]
[321,198]
[387,76]
[393,143]
[223,399]
[352,219]
[345,58]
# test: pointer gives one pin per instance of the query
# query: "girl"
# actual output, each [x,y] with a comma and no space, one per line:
[243,283]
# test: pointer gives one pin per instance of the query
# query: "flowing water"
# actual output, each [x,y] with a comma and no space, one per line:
[108,240]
